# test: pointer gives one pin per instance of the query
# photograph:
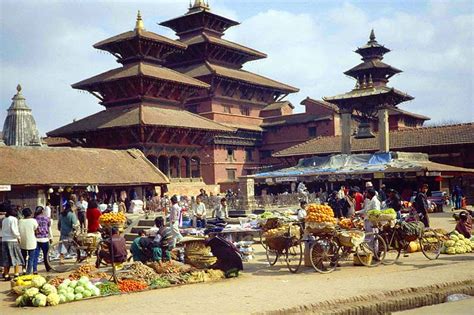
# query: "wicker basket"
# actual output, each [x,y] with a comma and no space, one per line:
[348,240]
[271,223]
[279,243]
[319,228]
[109,226]
[366,258]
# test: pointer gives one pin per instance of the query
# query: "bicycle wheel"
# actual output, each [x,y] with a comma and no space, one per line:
[431,244]
[262,241]
[71,256]
[394,248]
[272,255]
[294,257]
[324,256]
[373,245]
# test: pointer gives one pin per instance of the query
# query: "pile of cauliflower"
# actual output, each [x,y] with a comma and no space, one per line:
[39,294]
[458,244]
[44,294]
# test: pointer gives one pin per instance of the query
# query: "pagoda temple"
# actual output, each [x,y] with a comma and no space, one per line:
[19,128]
[144,108]
[236,98]
[371,97]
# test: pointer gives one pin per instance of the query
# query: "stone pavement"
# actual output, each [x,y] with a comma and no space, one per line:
[261,288]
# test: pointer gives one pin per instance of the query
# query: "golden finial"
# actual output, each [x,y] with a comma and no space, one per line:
[372,35]
[364,82]
[371,83]
[18,88]
[139,24]
[200,4]
[357,86]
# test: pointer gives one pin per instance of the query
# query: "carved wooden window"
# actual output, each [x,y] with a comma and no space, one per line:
[227,109]
[312,131]
[245,111]
[230,155]
[231,173]
[248,155]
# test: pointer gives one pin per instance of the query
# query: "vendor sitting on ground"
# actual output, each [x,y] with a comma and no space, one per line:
[136,249]
[119,246]
[221,213]
[158,245]
[464,225]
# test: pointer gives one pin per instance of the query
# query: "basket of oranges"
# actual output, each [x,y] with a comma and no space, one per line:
[319,218]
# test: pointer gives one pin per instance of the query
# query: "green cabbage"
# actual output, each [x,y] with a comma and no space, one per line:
[47,289]
[62,298]
[83,281]
[87,293]
[63,285]
[78,296]
[73,284]
[96,291]
[454,237]
[22,300]
[78,289]
[459,243]
[31,292]
[38,282]
[450,243]
[451,250]
[39,300]
[70,297]
[460,250]
[461,237]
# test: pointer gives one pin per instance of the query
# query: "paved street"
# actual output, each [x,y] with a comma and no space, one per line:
[262,288]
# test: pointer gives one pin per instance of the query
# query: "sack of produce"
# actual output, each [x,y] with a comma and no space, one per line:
[412,230]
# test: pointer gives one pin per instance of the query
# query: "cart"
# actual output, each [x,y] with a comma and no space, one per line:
[288,245]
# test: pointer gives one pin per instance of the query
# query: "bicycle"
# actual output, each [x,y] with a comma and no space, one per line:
[68,254]
[287,245]
[329,248]
[430,241]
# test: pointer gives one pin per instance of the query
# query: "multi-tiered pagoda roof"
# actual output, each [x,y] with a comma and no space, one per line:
[213,59]
[372,75]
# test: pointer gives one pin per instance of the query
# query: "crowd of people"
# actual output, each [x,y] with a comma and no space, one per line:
[24,239]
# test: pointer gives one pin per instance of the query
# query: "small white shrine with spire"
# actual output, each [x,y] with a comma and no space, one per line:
[19,128]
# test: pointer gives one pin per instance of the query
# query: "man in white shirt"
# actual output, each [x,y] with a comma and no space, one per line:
[220,212]
[303,191]
[175,214]
[199,213]
[47,209]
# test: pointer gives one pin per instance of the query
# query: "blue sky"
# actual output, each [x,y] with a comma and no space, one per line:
[47,46]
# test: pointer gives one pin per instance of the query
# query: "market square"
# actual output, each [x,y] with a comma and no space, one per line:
[214,177]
